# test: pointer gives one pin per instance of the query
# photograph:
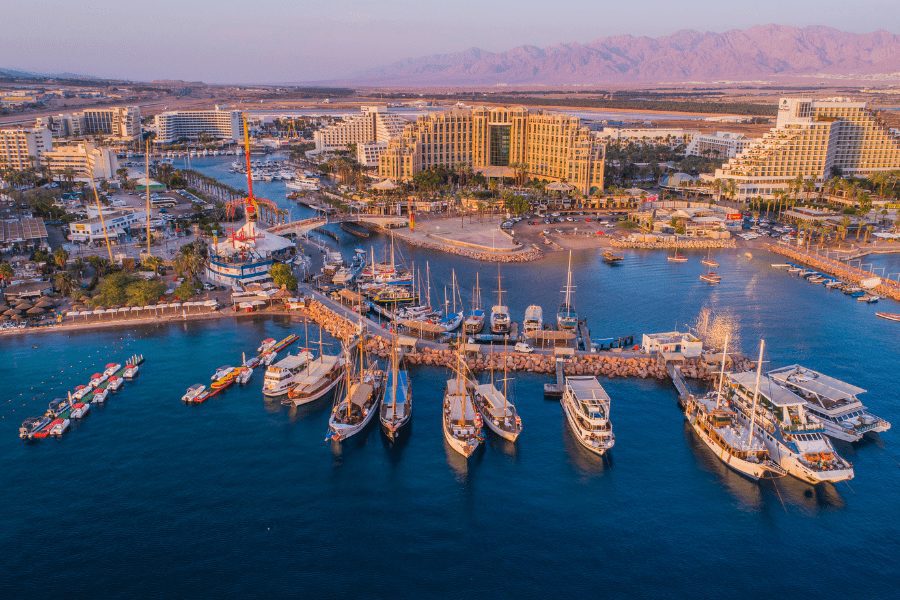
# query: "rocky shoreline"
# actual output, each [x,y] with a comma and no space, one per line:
[500,256]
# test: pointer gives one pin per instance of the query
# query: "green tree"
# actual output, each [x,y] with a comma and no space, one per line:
[60,258]
[111,290]
[143,292]
[186,290]
[283,277]
[64,283]
[6,272]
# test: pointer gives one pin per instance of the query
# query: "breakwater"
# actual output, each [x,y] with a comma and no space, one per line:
[475,252]
[669,244]
[888,288]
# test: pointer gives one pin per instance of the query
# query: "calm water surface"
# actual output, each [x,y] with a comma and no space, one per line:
[239,496]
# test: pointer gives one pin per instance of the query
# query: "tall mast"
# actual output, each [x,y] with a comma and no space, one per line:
[499,289]
[395,373]
[762,345]
[459,387]
[476,301]
[147,181]
[505,375]
[90,174]
[347,359]
[722,374]
[427,284]
[569,284]
[453,287]
[392,251]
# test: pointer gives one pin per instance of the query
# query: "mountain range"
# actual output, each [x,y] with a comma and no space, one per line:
[762,52]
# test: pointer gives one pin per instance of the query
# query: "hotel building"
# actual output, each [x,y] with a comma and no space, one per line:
[721,144]
[813,139]
[84,159]
[118,223]
[22,148]
[499,142]
[189,124]
[373,125]
[116,122]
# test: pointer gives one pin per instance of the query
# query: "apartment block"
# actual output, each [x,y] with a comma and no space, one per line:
[22,148]
[121,123]
[373,125]
[500,142]
[814,140]
[721,144]
[83,160]
[172,126]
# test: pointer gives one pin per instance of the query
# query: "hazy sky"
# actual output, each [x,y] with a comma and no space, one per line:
[303,40]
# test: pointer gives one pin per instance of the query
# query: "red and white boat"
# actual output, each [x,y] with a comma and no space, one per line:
[97,379]
[100,396]
[266,344]
[114,383]
[111,369]
[888,316]
[80,392]
[58,427]
[79,410]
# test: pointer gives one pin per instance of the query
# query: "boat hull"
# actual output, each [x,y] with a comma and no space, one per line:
[329,385]
[584,440]
[464,447]
[342,432]
[751,470]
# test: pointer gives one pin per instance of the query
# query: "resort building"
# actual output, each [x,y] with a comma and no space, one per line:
[121,123]
[118,223]
[83,160]
[175,125]
[499,142]
[721,144]
[373,125]
[813,140]
[22,148]
[367,154]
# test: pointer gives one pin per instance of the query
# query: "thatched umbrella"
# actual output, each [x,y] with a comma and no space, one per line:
[34,311]
[4,318]
[45,303]
[10,312]
[24,305]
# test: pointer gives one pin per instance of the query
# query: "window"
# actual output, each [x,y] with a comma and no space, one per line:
[499,145]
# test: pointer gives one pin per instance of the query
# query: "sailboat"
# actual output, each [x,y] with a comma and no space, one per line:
[716,424]
[708,261]
[322,374]
[460,421]
[451,319]
[679,258]
[396,404]
[497,411]
[566,317]
[360,397]
[474,322]
[500,320]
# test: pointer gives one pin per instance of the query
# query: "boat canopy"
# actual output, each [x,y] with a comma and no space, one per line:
[774,392]
[828,389]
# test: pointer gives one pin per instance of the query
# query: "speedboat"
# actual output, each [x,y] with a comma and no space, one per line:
[58,427]
[114,383]
[79,410]
[80,392]
[34,427]
[97,379]
[99,396]
[131,371]
[245,374]
[111,369]
[193,392]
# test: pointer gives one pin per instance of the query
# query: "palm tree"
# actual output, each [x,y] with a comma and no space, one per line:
[64,282]
[60,257]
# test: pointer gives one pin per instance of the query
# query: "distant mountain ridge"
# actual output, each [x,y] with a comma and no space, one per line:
[760,52]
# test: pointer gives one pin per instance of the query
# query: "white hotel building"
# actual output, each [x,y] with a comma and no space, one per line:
[172,126]
[373,127]
[118,222]
[22,148]
[121,123]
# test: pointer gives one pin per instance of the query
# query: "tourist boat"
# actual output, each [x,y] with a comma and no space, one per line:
[194,392]
[58,426]
[114,383]
[99,396]
[566,317]
[111,369]
[358,403]
[303,184]
[392,294]
[80,392]
[586,406]
[319,377]
[34,427]
[266,345]
[795,440]
[244,375]
[460,420]
[679,258]
[281,376]
[498,413]
[132,366]
[534,319]
[889,316]
[716,424]
[711,277]
[611,258]
[97,379]
[396,404]
[835,402]
[79,410]
[474,321]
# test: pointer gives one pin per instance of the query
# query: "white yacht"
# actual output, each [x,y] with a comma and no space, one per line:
[500,319]
[795,440]
[834,401]
[534,319]
[281,376]
[193,392]
[586,405]
[303,184]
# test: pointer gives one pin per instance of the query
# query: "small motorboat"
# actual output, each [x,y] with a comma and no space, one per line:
[80,392]
[711,277]
[97,379]
[79,410]
[114,383]
[110,369]
[245,375]
[193,392]
[99,396]
[58,427]
[130,371]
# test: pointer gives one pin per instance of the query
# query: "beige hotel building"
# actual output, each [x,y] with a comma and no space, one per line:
[813,139]
[499,142]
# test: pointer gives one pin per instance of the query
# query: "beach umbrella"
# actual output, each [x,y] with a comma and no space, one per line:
[9,312]
[4,318]
[36,310]
[23,305]
[45,303]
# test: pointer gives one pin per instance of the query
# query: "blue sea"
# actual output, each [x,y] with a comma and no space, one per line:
[240,496]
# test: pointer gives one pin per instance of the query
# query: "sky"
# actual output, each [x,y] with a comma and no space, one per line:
[279,41]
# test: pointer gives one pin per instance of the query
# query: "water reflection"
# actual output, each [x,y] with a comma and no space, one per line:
[462,467]
[744,490]
[504,446]
[586,462]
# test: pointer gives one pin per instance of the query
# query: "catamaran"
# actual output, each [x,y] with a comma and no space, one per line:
[715,423]
[566,317]
[497,411]
[474,321]
[500,320]
[396,404]
[834,401]
[795,440]
[281,376]
[586,406]
[319,377]
[358,403]
[460,421]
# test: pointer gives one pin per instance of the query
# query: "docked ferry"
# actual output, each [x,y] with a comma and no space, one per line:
[586,406]
[795,440]
[835,402]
